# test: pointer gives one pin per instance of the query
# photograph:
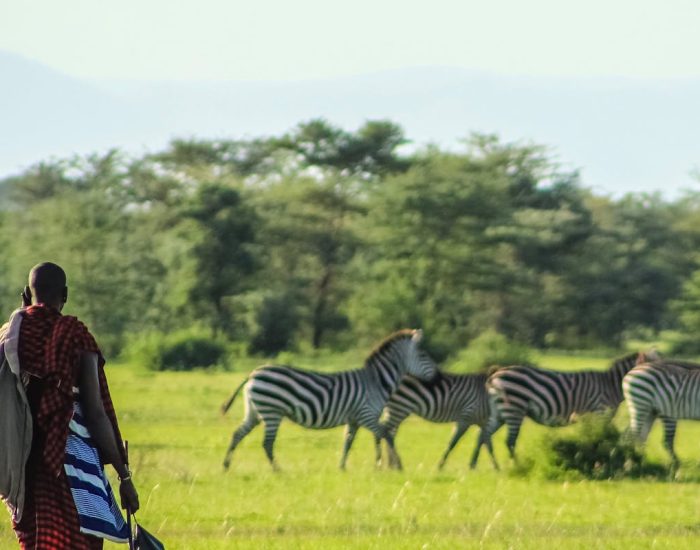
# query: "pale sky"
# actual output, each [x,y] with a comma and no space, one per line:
[643,143]
[304,39]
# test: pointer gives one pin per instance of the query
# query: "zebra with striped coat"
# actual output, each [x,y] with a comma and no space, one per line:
[319,400]
[554,398]
[668,390]
[447,398]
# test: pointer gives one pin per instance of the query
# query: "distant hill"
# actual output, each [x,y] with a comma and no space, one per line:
[625,134]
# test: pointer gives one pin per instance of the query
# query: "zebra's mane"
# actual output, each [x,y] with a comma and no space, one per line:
[488,371]
[439,378]
[675,363]
[636,357]
[388,341]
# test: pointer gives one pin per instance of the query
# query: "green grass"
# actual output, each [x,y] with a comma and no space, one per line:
[177,441]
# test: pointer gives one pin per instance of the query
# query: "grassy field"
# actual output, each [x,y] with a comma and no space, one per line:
[177,440]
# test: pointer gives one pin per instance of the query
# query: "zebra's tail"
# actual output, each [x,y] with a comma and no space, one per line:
[227,405]
[494,386]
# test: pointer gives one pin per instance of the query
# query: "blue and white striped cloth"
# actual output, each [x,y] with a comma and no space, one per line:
[97,509]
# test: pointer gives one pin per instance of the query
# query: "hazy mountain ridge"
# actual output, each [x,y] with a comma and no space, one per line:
[625,134]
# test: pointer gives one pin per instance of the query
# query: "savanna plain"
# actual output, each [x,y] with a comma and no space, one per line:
[177,440]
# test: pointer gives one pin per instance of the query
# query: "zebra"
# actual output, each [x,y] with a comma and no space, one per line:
[669,390]
[447,398]
[554,398]
[317,400]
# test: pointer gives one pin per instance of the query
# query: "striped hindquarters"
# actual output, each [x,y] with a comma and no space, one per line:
[661,389]
[448,398]
[548,397]
[312,399]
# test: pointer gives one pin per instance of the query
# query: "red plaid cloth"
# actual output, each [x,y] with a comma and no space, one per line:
[50,521]
[49,349]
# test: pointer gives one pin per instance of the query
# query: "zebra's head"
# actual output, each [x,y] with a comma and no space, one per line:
[400,354]
[623,365]
[418,362]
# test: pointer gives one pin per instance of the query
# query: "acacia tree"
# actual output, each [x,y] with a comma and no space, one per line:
[623,275]
[219,230]
[464,243]
[309,239]
[371,151]
[75,213]
[311,191]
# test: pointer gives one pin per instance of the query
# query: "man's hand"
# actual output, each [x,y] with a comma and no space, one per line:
[129,496]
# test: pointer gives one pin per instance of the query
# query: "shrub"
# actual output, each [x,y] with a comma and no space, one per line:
[178,351]
[487,349]
[596,450]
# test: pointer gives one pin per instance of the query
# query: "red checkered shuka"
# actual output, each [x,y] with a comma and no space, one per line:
[49,349]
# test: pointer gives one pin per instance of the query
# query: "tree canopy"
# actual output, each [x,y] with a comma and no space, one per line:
[324,236]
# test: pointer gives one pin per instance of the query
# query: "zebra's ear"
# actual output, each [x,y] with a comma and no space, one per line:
[417,335]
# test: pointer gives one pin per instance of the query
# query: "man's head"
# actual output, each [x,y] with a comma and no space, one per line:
[47,283]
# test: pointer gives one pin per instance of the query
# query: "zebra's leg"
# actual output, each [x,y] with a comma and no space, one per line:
[669,436]
[378,436]
[350,432]
[394,458]
[489,446]
[484,439]
[514,421]
[641,420]
[459,431]
[493,424]
[251,420]
[371,422]
[396,414]
[386,433]
[272,424]
[392,451]
[377,450]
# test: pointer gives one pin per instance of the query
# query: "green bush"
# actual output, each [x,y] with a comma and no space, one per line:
[596,450]
[177,351]
[487,349]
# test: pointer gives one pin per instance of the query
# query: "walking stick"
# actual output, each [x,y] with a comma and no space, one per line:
[128,510]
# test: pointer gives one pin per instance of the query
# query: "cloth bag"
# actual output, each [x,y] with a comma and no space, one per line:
[15,420]
[98,511]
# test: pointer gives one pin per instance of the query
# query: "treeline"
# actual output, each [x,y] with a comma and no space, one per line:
[324,237]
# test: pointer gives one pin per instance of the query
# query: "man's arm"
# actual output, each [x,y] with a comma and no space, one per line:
[101,429]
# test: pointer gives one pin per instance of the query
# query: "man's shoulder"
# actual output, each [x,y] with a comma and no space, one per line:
[71,323]
[71,320]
